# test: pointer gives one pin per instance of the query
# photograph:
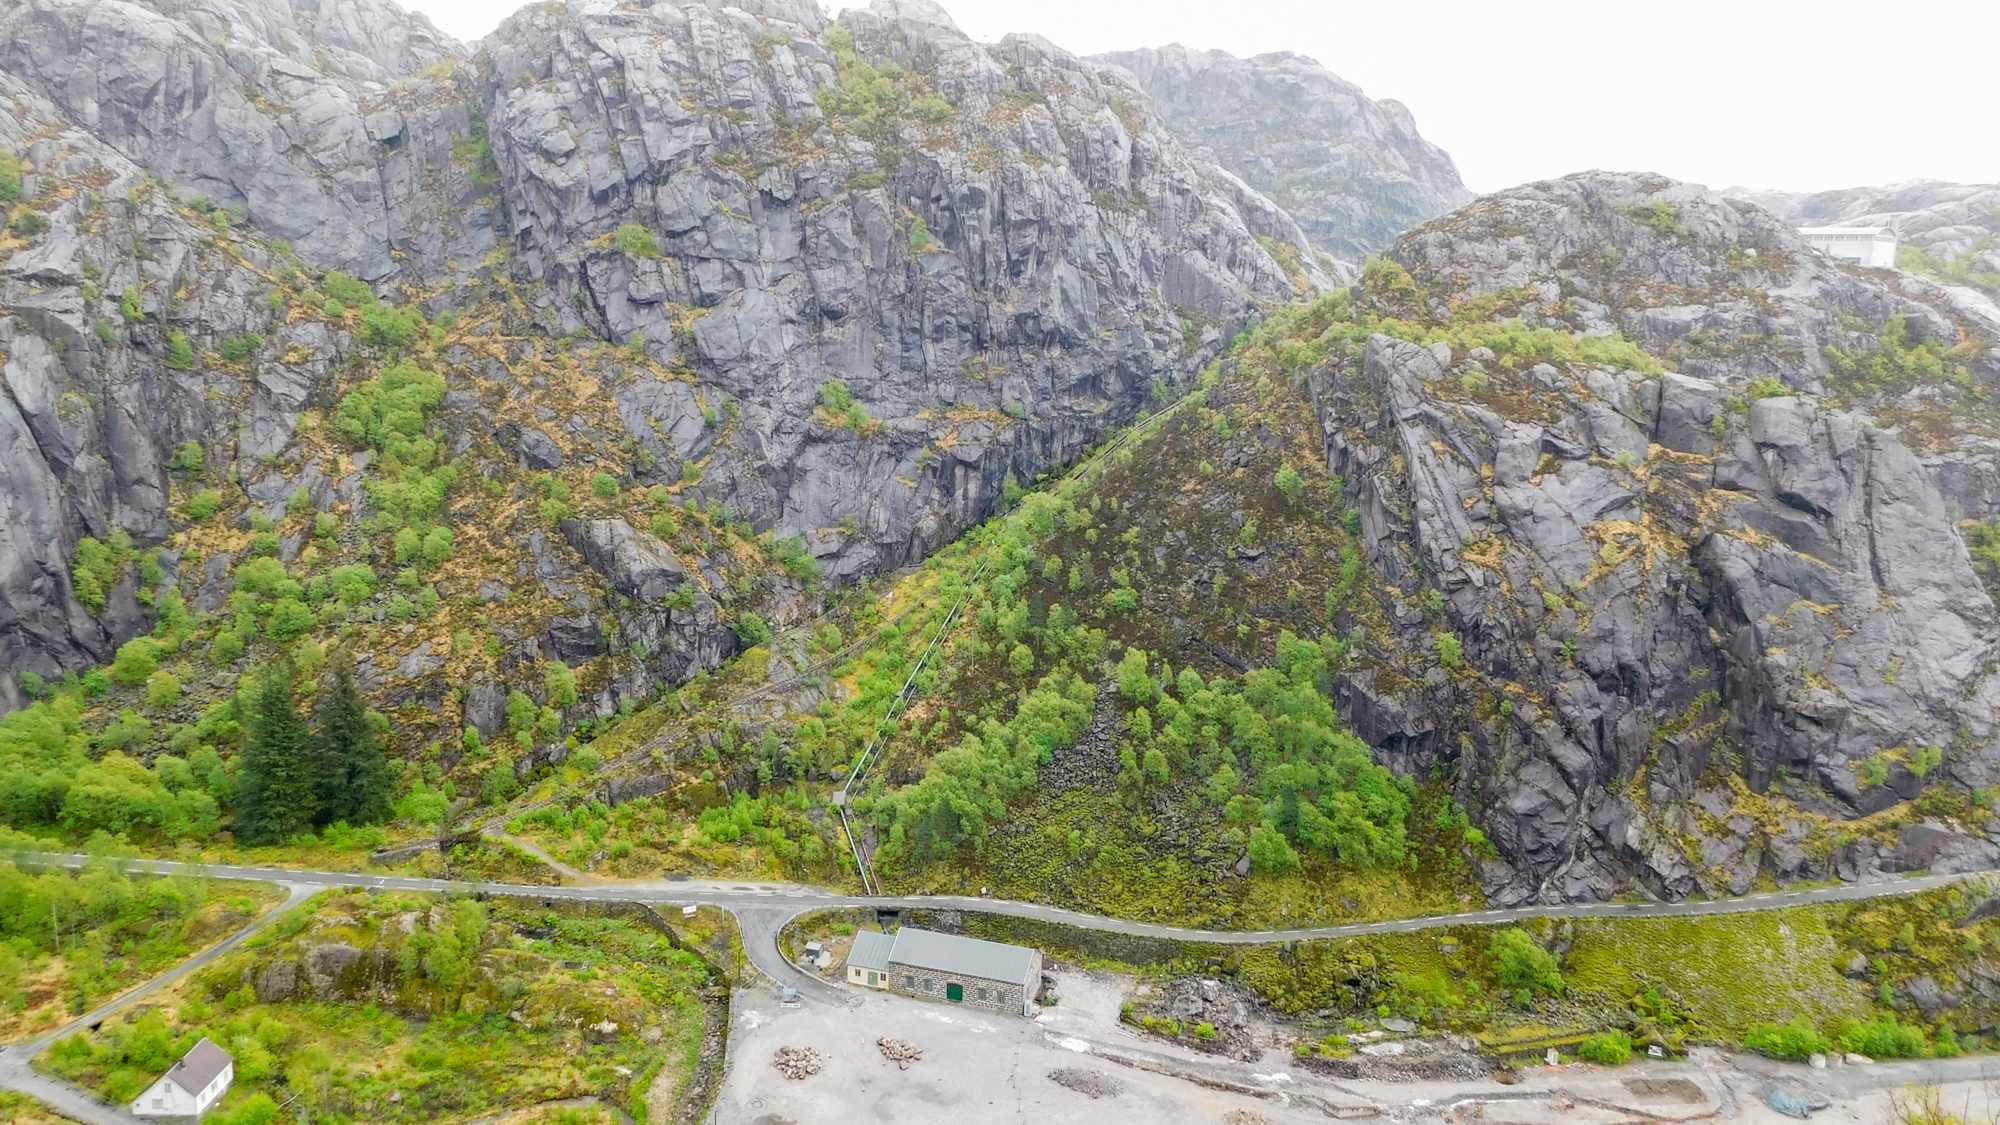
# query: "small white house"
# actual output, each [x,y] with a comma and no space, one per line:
[1864,246]
[868,960]
[190,1086]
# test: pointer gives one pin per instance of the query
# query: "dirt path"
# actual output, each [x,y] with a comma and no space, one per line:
[536,850]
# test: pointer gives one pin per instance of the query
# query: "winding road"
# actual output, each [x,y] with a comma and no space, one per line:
[803,897]
[762,909]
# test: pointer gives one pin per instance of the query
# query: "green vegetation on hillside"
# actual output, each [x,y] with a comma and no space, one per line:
[457,1008]
[1304,336]
[1188,612]
[72,939]
[871,100]
[291,776]
[1965,269]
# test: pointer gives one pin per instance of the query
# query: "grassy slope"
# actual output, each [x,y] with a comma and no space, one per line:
[24,1110]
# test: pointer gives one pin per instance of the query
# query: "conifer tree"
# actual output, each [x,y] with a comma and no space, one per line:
[279,792]
[356,784]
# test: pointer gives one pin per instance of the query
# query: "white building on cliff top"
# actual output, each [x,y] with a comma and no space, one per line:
[1864,246]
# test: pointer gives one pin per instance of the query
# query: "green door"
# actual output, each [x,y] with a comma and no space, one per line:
[954,992]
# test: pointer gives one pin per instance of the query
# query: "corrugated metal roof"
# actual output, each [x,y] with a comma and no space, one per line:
[199,1066]
[950,953]
[871,951]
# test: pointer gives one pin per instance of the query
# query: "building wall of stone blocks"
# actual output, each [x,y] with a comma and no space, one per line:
[929,984]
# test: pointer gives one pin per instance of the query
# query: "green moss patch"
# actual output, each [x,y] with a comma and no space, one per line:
[1731,970]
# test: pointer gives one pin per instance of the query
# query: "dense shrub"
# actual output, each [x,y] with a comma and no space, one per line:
[1798,1039]
[353,583]
[1612,1048]
[347,290]
[1882,1039]
[1519,961]
[236,349]
[137,659]
[180,353]
[203,504]
[391,328]
[751,628]
[637,241]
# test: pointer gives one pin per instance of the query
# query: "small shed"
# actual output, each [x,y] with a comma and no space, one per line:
[959,970]
[191,1086]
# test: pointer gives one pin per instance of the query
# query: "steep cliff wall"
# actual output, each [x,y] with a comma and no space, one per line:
[831,281]
[1702,559]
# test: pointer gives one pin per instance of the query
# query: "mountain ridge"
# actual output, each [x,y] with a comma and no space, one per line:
[1354,171]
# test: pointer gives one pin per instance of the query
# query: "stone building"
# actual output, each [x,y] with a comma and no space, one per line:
[959,970]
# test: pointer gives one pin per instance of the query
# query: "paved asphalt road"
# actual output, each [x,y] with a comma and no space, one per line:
[798,898]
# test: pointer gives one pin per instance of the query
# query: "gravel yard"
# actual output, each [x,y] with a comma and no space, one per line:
[976,1067]
[1076,1065]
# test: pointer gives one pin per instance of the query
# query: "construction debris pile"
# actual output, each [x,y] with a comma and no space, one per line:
[798,1062]
[1095,1083]
[900,1052]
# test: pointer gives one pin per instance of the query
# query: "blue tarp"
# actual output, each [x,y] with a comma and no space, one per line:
[1788,1103]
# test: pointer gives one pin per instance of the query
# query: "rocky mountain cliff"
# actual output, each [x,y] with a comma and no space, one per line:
[1352,170]
[551,373]
[1671,506]
[818,288]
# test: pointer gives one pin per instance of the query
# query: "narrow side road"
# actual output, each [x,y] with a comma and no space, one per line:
[296,893]
[536,850]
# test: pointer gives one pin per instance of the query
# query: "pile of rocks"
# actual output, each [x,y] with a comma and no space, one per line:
[1094,1083]
[900,1052]
[1195,1001]
[1404,1060]
[798,1062]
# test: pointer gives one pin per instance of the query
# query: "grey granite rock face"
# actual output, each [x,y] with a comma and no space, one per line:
[1014,257]
[1667,579]
[322,121]
[91,410]
[1004,279]
[1352,170]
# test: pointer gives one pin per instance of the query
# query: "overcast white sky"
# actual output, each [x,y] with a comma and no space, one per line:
[1785,94]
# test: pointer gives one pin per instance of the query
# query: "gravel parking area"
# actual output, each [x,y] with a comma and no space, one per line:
[977,1067]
